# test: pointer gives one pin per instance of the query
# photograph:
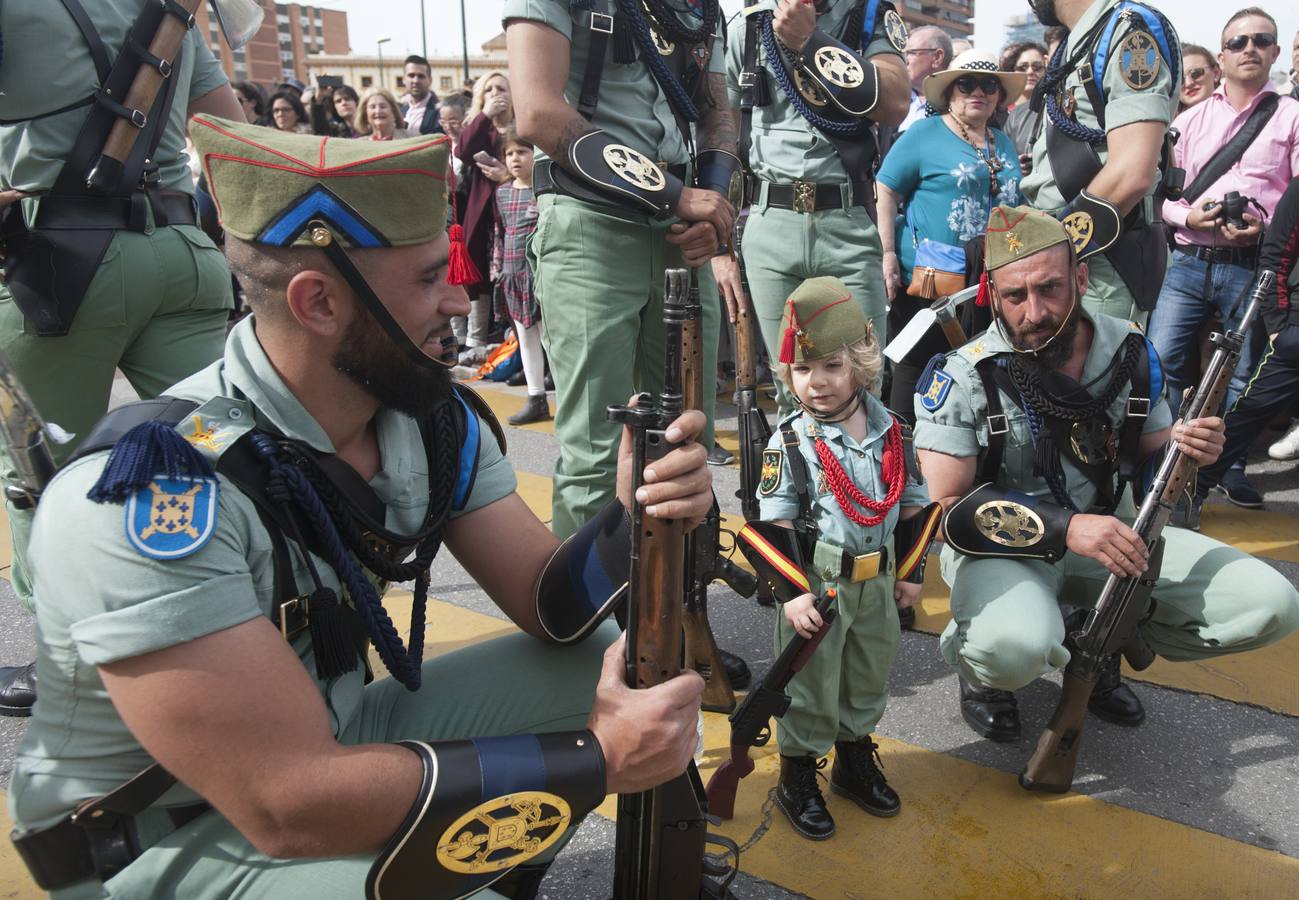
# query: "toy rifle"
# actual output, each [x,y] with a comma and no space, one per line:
[661,833]
[1124,603]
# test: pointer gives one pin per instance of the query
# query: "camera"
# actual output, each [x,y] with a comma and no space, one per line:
[1233,209]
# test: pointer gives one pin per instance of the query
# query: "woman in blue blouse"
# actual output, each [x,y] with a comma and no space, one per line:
[945,172]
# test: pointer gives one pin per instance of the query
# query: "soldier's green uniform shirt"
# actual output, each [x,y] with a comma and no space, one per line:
[842,691]
[157,307]
[1006,626]
[1124,105]
[782,247]
[598,270]
[128,605]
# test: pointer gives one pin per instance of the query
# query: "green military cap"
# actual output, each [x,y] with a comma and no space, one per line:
[820,318]
[1017,232]
[271,186]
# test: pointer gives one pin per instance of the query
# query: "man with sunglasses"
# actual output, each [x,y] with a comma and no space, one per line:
[1108,96]
[1214,257]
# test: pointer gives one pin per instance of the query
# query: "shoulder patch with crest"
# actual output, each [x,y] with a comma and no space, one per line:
[172,517]
[934,394]
[773,462]
[896,30]
[1139,60]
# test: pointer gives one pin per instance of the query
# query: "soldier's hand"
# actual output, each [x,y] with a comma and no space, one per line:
[647,736]
[1108,541]
[1201,439]
[702,205]
[794,22]
[678,486]
[802,616]
[698,242]
[726,272]
[906,594]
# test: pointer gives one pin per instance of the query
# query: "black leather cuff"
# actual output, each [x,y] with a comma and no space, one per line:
[850,83]
[1092,223]
[624,174]
[996,521]
[586,578]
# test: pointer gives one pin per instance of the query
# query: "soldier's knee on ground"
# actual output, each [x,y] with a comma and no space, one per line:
[1007,658]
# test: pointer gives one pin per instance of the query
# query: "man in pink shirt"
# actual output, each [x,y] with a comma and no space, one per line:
[1214,260]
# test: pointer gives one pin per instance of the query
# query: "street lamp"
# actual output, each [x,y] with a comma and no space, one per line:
[382,79]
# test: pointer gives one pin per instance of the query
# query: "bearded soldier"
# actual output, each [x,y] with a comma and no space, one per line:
[208,723]
[1102,163]
[1031,435]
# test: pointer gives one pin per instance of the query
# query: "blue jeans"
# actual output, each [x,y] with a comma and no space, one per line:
[1183,308]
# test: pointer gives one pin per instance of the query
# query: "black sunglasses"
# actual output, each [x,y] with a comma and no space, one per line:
[989,84]
[1195,74]
[1261,40]
[1030,67]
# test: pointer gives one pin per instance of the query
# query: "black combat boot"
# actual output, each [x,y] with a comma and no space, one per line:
[1112,700]
[857,776]
[536,410]
[17,690]
[907,618]
[737,670]
[992,714]
[799,797]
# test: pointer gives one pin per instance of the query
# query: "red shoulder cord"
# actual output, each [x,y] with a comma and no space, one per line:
[892,469]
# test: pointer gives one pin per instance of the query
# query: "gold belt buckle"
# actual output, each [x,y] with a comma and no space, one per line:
[804,196]
[865,567]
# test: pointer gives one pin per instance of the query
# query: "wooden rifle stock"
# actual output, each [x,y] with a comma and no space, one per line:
[945,312]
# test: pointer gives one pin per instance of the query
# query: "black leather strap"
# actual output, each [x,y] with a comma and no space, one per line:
[110,213]
[754,91]
[1230,153]
[98,52]
[998,424]
[826,196]
[600,26]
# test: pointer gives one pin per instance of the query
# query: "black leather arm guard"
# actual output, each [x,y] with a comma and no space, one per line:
[851,83]
[996,521]
[718,170]
[623,174]
[485,806]
[911,540]
[1092,223]
[586,578]
[776,554]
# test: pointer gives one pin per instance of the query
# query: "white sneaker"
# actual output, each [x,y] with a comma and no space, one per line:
[1288,446]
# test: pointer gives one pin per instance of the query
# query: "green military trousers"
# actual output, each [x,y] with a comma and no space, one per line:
[1210,600]
[782,248]
[598,276]
[841,692]
[512,685]
[157,309]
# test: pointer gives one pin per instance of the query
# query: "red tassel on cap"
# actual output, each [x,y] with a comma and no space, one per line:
[460,267]
[981,298]
[787,347]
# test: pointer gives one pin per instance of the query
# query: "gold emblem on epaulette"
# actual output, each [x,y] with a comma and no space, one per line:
[1080,227]
[895,29]
[207,438]
[1139,60]
[504,832]
[1009,523]
[809,89]
[634,167]
[662,44]
[839,67]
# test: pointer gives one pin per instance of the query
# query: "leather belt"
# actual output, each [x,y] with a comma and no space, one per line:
[853,567]
[1236,256]
[115,213]
[543,182]
[808,196]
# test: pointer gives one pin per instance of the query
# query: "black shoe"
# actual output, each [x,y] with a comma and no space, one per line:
[1239,491]
[992,714]
[799,797]
[549,383]
[720,456]
[518,379]
[737,670]
[1112,699]
[536,410]
[857,776]
[17,690]
[907,618]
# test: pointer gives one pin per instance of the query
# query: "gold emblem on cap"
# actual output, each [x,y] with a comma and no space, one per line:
[1079,226]
[805,342]
[1009,523]
[1013,243]
[321,236]
[503,832]
[839,67]
[635,167]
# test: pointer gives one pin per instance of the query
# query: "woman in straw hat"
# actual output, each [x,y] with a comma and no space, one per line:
[945,173]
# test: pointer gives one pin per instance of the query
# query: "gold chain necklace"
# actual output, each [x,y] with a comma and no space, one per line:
[995,164]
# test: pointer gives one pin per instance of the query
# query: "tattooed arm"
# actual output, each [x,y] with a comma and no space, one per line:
[538,73]
[718,123]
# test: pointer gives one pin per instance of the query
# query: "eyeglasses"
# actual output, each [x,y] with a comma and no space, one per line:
[1262,41]
[1030,67]
[920,50]
[284,110]
[1195,74]
[989,84]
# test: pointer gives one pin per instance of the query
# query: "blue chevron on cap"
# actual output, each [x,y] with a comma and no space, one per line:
[320,203]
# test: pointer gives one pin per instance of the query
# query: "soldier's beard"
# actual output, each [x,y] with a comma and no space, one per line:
[1045,11]
[374,361]
[1058,349]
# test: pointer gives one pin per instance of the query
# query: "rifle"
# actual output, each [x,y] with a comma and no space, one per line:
[1124,602]
[26,438]
[751,723]
[661,833]
[754,429]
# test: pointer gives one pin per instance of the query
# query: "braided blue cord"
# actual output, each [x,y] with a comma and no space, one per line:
[1069,127]
[675,91]
[404,664]
[842,129]
[1055,483]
